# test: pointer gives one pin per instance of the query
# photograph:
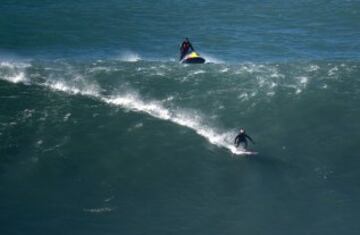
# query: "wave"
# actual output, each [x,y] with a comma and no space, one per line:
[14,72]
[250,84]
[191,120]
[132,101]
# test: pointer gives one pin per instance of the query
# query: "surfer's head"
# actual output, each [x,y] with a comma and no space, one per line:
[242,130]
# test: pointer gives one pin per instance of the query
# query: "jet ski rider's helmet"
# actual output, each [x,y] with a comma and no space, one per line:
[242,130]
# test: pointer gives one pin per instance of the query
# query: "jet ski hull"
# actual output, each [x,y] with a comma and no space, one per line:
[193,58]
[198,60]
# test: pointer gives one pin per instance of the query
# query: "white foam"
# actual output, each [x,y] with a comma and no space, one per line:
[270,93]
[89,90]
[243,96]
[333,71]
[249,68]
[139,125]
[98,210]
[303,80]
[14,71]
[66,117]
[211,59]
[298,91]
[27,113]
[14,65]
[16,78]
[136,126]
[7,64]
[313,68]
[196,72]
[132,102]
[129,56]
[102,69]
[224,70]
[188,119]
[276,74]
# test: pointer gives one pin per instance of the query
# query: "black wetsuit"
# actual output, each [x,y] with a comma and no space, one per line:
[242,138]
[184,49]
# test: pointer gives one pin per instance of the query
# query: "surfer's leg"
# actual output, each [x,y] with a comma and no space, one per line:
[183,53]
[245,144]
[181,56]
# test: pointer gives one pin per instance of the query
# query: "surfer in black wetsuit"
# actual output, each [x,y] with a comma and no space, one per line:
[241,138]
[185,47]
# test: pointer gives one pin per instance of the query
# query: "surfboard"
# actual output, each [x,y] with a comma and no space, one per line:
[246,152]
[240,151]
[193,58]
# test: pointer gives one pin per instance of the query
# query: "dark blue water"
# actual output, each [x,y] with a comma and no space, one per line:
[102,131]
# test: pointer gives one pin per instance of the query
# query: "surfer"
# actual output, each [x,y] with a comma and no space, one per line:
[185,47]
[241,138]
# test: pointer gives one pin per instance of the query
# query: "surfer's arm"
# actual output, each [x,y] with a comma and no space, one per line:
[250,139]
[192,48]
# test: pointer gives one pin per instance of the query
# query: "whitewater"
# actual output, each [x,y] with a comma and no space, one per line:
[132,101]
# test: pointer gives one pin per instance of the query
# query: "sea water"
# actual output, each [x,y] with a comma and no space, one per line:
[102,131]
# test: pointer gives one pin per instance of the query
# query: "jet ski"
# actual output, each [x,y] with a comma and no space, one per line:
[193,58]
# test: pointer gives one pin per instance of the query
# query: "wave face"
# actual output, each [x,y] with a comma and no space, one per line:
[116,133]
[102,131]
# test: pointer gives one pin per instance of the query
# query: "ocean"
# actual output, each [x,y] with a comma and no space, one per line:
[103,131]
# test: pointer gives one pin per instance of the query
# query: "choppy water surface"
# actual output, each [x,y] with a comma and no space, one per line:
[102,131]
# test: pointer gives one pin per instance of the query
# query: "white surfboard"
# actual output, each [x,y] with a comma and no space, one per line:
[241,151]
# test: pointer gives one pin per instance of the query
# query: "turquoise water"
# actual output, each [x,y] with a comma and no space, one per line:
[102,131]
